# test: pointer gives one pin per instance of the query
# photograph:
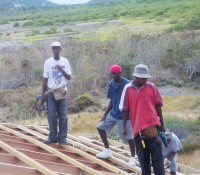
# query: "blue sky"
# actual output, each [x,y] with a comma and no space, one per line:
[69,1]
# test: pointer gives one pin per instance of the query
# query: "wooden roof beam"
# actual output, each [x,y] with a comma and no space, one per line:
[52,150]
[26,159]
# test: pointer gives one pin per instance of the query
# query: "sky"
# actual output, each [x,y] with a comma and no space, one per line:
[62,2]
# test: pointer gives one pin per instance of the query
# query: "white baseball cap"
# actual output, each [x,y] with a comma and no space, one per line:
[56,44]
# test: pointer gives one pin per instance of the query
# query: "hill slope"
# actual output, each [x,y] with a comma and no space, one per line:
[25,3]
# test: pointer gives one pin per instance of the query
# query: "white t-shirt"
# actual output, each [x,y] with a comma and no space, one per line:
[55,78]
[174,145]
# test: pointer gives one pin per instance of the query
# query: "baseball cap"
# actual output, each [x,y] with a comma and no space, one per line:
[141,71]
[115,68]
[56,44]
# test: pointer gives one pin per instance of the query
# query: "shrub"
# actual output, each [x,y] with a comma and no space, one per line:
[127,67]
[33,33]
[16,24]
[67,30]
[196,86]
[50,31]
[29,23]
[177,126]
[84,100]
[37,73]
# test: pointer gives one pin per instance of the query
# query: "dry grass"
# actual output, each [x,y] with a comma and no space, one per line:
[181,106]
[191,159]
[78,124]
[84,123]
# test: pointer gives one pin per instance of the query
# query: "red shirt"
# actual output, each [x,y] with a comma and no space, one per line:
[141,105]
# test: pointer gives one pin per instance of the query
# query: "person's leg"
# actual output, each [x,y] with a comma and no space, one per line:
[104,126]
[52,117]
[103,136]
[143,156]
[63,121]
[156,155]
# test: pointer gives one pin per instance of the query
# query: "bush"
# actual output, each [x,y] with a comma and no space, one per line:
[84,100]
[67,30]
[177,126]
[16,24]
[50,31]
[127,68]
[37,73]
[29,23]
[33,33]
[196,86]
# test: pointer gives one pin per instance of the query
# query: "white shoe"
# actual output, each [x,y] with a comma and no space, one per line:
[106,153]
[132,161]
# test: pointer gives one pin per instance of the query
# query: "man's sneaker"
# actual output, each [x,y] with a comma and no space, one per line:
[48,141]
[132,161]
[106,153]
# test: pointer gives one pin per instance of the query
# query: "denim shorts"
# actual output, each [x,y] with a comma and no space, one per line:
[110,122]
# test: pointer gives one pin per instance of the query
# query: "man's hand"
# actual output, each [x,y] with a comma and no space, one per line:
[43,98]
[59,67]
[161,128]
[124,132]
[167,164]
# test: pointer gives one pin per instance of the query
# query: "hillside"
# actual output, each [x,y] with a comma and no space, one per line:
[109,1]
[25,4]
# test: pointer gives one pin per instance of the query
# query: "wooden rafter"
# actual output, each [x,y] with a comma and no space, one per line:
[72,148]
[26,159]
[92,148]
[52,150]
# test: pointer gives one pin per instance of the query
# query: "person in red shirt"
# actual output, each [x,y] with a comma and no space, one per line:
[142,100]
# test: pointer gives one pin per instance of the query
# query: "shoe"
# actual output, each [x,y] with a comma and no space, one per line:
[132,161]
[63,143]
[106,153]
[48,141]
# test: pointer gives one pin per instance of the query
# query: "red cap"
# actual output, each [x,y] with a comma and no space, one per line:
[115,68]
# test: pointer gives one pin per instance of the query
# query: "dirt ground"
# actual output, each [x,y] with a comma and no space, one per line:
[177,91]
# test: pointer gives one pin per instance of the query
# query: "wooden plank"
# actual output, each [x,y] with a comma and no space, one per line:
[52,150]
[26,159]
[187,170]
[92,149]
[92,158]
[7,169]
[54,165]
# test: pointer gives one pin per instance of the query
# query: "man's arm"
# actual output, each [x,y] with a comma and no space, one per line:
[125,118]
[171,156]
[44,88]
[107,110]
[66,75]
[159,112]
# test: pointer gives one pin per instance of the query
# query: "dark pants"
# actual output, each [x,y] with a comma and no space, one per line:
[57,111]
[153,151]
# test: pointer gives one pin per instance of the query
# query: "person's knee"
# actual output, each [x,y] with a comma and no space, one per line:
[100,130]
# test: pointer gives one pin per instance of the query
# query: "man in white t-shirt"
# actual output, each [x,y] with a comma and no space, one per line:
[56,74]
[169,152]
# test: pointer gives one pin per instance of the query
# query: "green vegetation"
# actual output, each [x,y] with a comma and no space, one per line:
[187,130]
[179,14]
[66,30]
[84,100]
